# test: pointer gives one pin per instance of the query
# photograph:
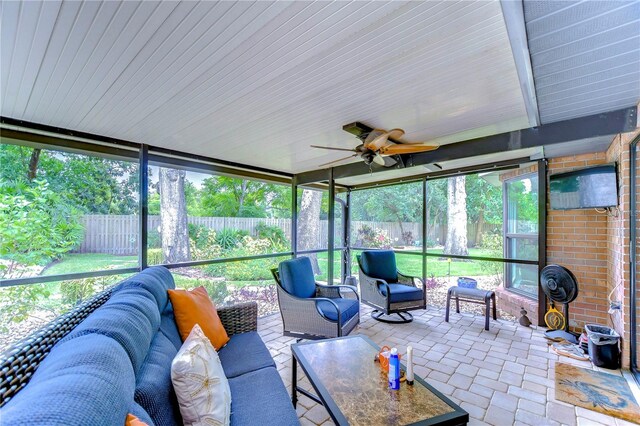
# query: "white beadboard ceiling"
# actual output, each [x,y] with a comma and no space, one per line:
[585,56]
[258,82]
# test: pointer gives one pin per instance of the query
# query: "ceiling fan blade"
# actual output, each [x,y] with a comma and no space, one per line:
[389,161]
[337,161]
[394,149]
[379,138]
[378,159]
[332,148]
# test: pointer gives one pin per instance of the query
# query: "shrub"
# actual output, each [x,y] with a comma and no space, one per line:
[274,234]
[217,289]
[154,239]
[36,225]
[75,292]
[407,238]
[245,270]
[228,238]
[203,243]
[493,242]
[370,237]
[155,256]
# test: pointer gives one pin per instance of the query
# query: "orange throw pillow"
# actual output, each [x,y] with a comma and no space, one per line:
[195,307]
[132,420]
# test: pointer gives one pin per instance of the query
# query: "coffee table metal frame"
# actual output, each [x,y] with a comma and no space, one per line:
[457,417]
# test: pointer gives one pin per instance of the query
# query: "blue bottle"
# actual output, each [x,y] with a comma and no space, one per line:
[394,370]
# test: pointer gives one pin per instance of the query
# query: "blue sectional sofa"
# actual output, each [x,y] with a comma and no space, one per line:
[118,361]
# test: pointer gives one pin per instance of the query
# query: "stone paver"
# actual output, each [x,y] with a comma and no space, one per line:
[504,376]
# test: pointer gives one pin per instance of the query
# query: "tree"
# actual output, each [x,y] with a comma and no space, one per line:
[173,216]
[484,204]
[456,241]
[397,203]
[224,196]
[92,184]
[309,224]
[436,206]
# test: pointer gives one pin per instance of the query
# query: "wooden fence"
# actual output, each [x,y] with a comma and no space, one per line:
[118,234]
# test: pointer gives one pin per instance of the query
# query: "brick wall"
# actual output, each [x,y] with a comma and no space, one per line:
[618,242]
[595,246]
[577,240]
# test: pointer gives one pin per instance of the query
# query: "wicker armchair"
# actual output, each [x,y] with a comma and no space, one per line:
[310,310]
[386,289]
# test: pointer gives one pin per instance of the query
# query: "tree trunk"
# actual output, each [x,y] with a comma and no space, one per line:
[173,216]
[479,226]
[243,191]
[309,224]
[456,242]
[33,164]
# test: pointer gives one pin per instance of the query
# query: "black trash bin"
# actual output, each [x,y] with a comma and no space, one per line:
[603,346]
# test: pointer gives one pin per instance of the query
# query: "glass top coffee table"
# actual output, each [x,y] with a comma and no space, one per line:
[355,391]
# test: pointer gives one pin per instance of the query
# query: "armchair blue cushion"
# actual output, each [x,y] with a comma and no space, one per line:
[380,264]
[348,308]
[401,292]
[296,277]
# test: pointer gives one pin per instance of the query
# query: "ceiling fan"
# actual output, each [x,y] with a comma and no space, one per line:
[378,146]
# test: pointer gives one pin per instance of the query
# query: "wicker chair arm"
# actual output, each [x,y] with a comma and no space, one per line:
[408,279]
[333,291]
[309,301]
[239,318]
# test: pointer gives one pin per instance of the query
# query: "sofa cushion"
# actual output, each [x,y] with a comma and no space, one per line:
[348,309]
[131,321]
[380,264]
[85,381]
[169,328]
[296,277]
[245,352]
[141,414]
[401,292]
[154,391]
[157,280]
[260,399]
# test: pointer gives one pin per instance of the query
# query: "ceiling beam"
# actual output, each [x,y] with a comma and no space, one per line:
[604,124]
[513,13]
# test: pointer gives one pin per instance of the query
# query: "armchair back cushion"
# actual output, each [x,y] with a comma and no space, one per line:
[380,264]
[296,277]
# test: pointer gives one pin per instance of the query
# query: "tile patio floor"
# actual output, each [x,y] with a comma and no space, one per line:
[504,376]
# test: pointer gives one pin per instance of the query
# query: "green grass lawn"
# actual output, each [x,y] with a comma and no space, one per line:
[407,263]
[412,264]
[88,262]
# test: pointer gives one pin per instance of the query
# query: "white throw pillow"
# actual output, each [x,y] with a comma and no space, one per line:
[200,384]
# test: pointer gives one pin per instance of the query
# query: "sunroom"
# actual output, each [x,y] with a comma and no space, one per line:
[314,184]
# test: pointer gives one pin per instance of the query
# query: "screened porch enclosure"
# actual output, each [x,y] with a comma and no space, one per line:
[112,214]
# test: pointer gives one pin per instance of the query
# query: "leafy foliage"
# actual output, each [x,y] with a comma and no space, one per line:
[91,184]
[372,238]
[228,238]
[224,196]
[36,224]
[275,234]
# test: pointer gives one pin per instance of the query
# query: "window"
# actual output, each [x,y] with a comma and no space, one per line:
[521,233]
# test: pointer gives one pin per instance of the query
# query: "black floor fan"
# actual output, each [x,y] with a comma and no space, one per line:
[560,286]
